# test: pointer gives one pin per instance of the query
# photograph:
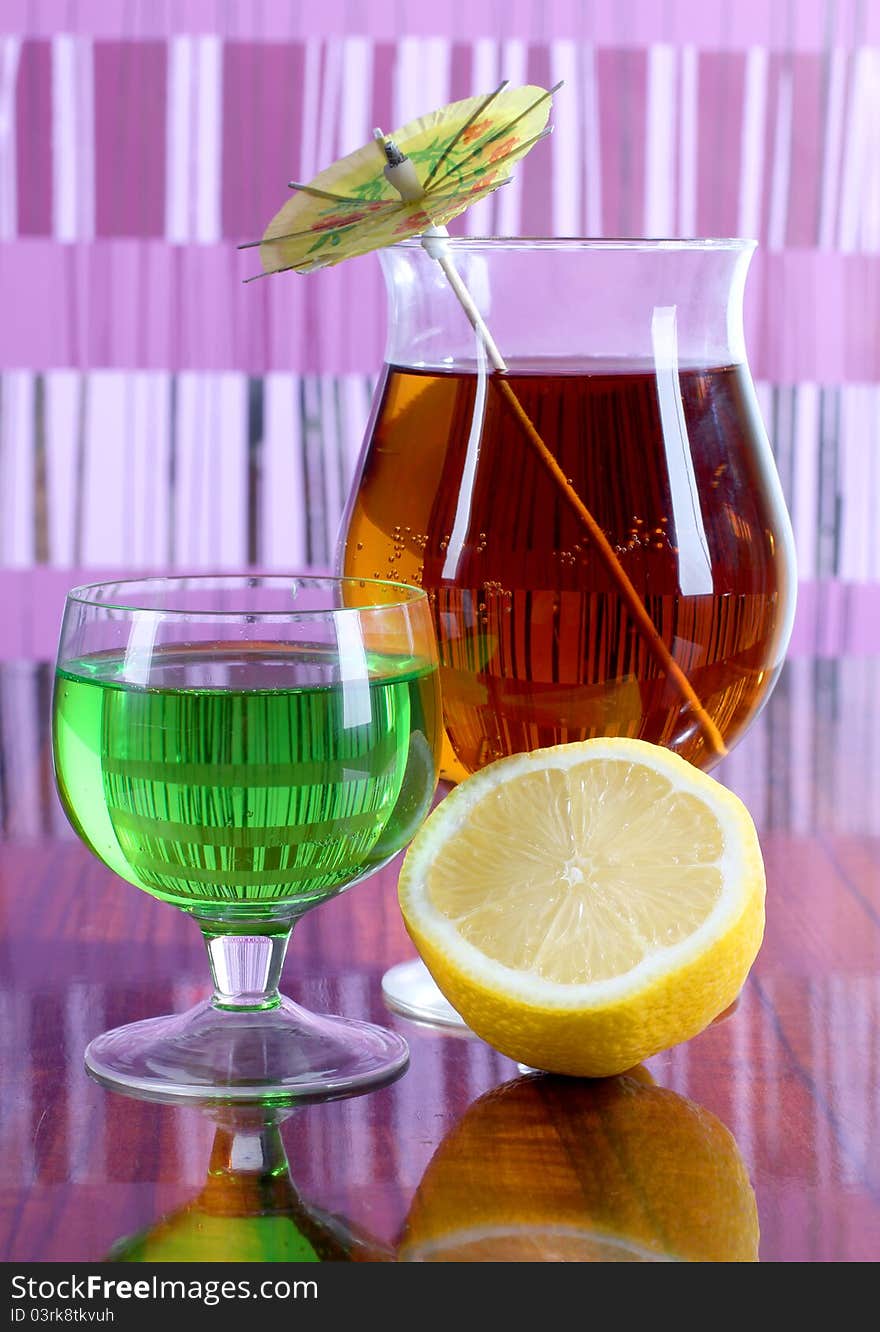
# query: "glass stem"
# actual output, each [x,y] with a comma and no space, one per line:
[248,1174]
[245,968]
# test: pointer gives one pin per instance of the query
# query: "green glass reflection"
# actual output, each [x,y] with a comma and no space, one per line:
[249,1210]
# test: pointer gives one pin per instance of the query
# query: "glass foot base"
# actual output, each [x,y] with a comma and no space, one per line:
[283,1055]
[409,989]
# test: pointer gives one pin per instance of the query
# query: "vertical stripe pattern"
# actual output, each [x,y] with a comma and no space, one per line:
[134,156]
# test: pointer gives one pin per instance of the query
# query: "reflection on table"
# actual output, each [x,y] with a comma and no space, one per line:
[787,1086]
[249,1210]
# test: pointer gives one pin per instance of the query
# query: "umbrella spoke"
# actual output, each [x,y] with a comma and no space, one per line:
[500,133]
[490,182]
[270,272]
[290,235]
[297,235]
[499,162]
[487,101]
[443,208]
[302,266]
[336,198]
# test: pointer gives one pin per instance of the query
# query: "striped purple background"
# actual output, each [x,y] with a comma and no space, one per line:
[140,141]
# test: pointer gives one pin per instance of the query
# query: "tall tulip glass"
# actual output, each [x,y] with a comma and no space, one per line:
[245,748]
[599,525]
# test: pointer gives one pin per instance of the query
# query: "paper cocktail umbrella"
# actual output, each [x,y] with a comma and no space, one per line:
[437,165]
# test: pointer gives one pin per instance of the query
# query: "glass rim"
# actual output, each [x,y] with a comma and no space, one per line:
[632,243]
[405,594]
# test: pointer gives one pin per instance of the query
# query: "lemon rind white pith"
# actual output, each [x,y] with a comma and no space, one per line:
[740,866]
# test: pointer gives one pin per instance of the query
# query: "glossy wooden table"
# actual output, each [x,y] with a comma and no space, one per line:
[794,1074]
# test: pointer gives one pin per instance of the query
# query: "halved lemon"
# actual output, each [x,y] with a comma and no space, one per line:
[587,905]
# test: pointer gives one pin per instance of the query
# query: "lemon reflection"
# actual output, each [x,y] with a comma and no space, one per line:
[249,1210]
[547,1169]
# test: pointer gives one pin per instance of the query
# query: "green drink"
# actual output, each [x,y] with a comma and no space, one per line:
[245,746]
[238,778]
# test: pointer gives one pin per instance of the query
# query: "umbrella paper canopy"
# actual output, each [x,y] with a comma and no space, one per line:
[460,154]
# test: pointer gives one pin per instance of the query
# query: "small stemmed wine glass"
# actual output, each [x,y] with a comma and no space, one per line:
[246,747]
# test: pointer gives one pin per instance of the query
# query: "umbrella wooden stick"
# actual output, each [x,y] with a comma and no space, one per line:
[402,175]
